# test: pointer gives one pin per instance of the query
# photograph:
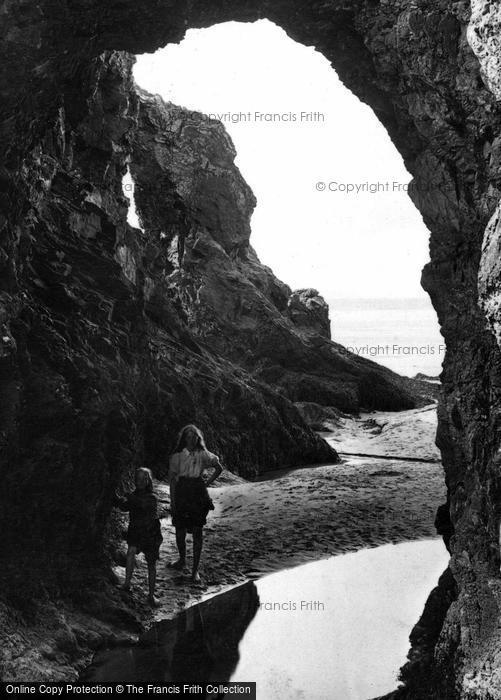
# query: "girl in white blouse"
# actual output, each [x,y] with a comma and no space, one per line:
[190,501]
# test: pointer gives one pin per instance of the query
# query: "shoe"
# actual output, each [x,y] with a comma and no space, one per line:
[154,602]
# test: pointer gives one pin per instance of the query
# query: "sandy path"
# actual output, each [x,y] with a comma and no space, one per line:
[306,514]
[406,433]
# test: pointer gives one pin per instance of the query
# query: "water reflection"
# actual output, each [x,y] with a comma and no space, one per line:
[336,629]
[199,646]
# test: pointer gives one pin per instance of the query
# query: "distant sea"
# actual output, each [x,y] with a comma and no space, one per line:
[401,334]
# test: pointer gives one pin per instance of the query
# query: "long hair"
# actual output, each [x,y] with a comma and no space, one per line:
[181,438]
[144,474]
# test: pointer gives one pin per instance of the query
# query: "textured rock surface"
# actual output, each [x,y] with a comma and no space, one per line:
[485,39]
[98,369]
[309,312]
[65,122]
[195,209]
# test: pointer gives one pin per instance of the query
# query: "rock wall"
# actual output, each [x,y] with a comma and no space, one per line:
[64,125]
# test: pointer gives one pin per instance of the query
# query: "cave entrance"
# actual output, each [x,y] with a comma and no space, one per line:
[332,213]
[332,206]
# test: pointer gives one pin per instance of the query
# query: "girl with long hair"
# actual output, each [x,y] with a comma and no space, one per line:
[190,501]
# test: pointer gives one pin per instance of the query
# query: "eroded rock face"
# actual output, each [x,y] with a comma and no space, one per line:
[65,135]
[196,209]
[484,38]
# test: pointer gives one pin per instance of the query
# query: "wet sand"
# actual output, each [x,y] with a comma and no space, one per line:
[310,513]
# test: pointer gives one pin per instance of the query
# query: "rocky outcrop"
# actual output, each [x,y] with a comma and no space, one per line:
[77,354]
[195,208]
[483,34]
[319,417]
[309,312]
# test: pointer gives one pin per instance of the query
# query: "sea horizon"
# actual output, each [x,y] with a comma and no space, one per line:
[399,333]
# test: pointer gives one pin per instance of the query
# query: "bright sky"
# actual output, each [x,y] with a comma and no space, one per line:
[346,244]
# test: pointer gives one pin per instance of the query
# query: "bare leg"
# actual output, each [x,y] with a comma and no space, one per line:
[197,551]
[152,577]
[129,567]
[181,546]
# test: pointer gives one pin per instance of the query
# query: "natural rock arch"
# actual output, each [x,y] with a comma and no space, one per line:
[412,63]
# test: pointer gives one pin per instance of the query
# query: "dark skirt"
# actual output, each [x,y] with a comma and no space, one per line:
[192,503]
[146,538]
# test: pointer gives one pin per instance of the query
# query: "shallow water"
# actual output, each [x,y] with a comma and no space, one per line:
[335,629]
[350,645]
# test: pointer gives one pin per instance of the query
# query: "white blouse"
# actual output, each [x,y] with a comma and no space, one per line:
[191,464]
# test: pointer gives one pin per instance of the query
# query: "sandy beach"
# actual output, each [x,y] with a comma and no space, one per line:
[402,434]
[301,515]
[285,519]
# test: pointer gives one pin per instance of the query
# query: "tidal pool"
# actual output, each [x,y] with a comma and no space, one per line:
[336,629]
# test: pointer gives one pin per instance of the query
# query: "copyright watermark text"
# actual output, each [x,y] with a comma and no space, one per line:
[371,187]
[396,350]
